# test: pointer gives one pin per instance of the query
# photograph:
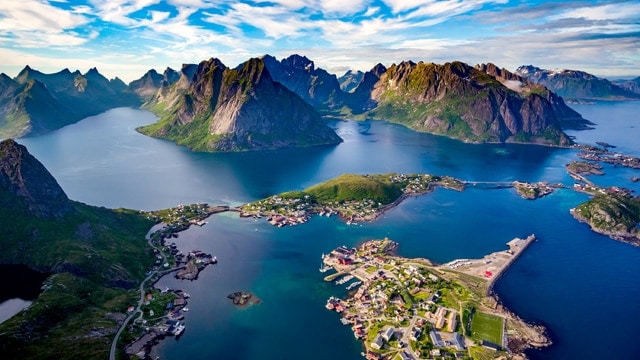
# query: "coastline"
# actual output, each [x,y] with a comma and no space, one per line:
[143,345]
[421,304]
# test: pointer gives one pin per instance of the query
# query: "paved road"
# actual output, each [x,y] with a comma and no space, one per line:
[114,343]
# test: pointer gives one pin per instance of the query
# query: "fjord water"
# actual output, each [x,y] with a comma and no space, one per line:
[580,284]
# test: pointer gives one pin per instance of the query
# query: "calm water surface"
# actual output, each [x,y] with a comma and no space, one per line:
[580,284]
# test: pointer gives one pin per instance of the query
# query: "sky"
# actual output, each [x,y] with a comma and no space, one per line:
[126,38]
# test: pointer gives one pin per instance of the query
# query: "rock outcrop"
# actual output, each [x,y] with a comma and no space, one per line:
[25,178]
[214,108]
[611,214]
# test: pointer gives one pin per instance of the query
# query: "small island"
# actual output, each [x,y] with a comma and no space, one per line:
[584,168]
[354,198]
[241,298]
[532,191]
[412,309]
[612,212]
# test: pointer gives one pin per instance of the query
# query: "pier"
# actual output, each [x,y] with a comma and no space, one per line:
[492,266]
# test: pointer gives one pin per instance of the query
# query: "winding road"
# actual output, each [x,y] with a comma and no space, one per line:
[114,343]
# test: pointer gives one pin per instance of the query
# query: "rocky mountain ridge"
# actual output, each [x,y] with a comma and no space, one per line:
[576,84]
[35,103]
[476,104]
[215,108]
[200,108]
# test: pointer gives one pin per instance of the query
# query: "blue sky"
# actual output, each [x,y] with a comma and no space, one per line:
[125,38]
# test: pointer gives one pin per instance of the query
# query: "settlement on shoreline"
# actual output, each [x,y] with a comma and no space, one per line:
[411,309]
[160,313]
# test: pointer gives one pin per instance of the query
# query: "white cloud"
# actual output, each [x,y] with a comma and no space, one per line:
[371,11]
[31,23]
[118,11]
[617,11]
[35,15]
[341,6]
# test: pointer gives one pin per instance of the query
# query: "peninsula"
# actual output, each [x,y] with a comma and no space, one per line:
[413,309]
[353,198]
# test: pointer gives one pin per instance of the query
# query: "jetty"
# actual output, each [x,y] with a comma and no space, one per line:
[492,266]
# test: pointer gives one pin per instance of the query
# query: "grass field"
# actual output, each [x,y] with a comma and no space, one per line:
[487,327]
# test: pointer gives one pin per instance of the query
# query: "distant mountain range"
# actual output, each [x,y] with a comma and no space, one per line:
[35,103]
[266,103]
[573,84]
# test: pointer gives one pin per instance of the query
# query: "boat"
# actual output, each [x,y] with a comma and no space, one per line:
[325,268]
[185,309]
[352,285]
[344,279]
[179,329]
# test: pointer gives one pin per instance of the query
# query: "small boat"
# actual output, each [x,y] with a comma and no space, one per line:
[352,285]
[185,309]
[179,330]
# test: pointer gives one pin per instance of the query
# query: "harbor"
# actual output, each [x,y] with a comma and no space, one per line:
[408,308]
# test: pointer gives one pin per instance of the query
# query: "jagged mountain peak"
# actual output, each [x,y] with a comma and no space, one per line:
[379,69]
[23,177]
[575,84]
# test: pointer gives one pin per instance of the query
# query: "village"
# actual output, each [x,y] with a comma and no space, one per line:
[295,208]
[160,313]
[411,309]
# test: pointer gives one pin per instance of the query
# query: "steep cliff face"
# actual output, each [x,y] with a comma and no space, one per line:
[463,102]
[46,231]
[147,86]
[567,117]
[300,75]
[350,80]
[576,84]
[25,178]
[214,108]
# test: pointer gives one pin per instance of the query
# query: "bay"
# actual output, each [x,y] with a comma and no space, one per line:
[570,280]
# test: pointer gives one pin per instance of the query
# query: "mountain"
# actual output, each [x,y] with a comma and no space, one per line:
[215,108]
[91,256]
[632,85]
[26,179]
[147,86]
[314,85]
[350,80]
[481,104]
[35,103]
[576,84]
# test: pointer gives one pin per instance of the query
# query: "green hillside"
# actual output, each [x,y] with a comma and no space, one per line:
[349,187]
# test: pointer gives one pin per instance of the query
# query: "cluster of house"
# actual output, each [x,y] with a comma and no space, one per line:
[612,158]
[389,295]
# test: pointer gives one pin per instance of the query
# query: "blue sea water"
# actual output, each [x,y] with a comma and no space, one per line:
[579,284]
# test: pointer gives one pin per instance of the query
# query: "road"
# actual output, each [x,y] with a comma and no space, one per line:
[114,343]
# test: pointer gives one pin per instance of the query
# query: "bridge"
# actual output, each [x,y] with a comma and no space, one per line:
[489,184]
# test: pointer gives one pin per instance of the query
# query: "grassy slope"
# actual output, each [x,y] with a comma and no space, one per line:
[611,213]
[356,187]
[97,254]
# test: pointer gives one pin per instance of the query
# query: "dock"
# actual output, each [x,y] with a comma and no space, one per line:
[492,266]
